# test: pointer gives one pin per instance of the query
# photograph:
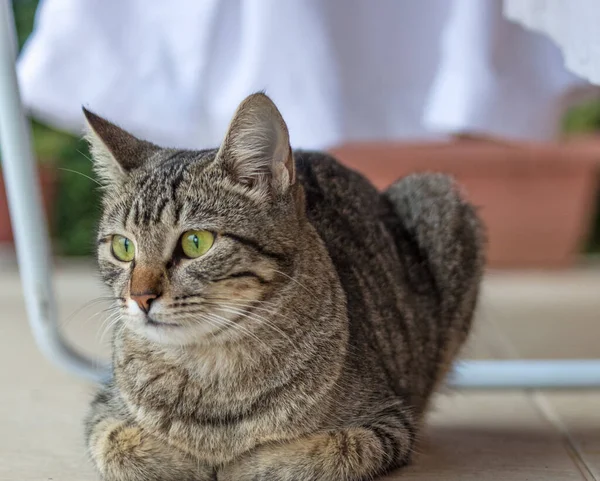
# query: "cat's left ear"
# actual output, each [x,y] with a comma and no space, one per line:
[256,150]
[115,151]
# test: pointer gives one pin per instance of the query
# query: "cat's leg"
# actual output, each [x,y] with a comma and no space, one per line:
[354,453]
[123,451]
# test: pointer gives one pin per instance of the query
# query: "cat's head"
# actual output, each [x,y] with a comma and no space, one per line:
[190,240]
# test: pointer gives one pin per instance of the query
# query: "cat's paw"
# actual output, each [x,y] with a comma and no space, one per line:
[119,452]
[125,452]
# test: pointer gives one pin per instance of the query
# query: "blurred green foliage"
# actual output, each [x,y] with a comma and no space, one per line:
[585,119]
[24,13]
[49,144]
[77,205]
[594,242]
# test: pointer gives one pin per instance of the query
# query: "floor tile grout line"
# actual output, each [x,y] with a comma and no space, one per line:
[545,409]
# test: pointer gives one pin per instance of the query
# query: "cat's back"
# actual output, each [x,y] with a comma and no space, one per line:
[349,215]
[409,260]
[345,209]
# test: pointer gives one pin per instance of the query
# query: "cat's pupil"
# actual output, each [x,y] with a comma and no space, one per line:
[195,240]
[126,245]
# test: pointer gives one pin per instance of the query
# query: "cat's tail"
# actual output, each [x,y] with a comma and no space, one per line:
[437,230]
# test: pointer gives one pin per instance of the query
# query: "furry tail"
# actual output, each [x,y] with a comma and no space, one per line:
[440,231]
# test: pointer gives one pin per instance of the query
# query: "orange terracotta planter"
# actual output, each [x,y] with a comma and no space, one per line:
[47,179]
[537,201]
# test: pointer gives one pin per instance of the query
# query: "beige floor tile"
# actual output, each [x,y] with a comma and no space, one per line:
[545,315]
[41,409]
[579,414]
[487,340]
[490,436]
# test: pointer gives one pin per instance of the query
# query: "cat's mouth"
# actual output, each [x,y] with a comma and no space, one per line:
[159,324]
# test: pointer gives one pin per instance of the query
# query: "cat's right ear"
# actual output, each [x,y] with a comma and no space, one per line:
[115,151]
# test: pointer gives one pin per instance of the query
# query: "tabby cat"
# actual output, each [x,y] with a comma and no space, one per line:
[280,319]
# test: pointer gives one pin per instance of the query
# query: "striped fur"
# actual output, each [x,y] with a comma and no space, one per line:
[306,344]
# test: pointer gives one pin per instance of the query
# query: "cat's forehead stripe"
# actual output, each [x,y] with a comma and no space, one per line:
[157,189]
[153,196]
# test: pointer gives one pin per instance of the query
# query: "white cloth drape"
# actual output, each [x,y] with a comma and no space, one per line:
[573,24]
[173,72]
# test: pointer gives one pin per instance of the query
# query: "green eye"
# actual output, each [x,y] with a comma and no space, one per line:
[122,248]
[196,243]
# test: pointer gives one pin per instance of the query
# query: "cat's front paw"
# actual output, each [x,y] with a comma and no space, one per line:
[125,452]
[119,452]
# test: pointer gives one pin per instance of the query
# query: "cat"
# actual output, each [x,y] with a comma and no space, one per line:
[280,319]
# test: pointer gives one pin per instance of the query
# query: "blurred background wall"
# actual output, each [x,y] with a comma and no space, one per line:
[72,196]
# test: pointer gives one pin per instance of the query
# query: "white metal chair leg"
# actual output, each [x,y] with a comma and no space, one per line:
[527,374]
[29,226]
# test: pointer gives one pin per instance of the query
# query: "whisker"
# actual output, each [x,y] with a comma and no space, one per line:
[213,322]
[109,323]
[273,312]
[240,304]
[293,280]
[241,308]
[243,329]
[86,156]
[120,328]
[275,305]
[256,317]
[109,318]
[97,300]
[112,311]
[82,174]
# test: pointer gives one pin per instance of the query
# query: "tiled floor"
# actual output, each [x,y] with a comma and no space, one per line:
[470,435]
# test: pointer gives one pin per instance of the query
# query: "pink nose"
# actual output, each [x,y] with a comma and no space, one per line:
[144,300]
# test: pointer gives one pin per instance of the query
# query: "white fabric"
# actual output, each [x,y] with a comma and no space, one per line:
[173,72]
[573,24]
